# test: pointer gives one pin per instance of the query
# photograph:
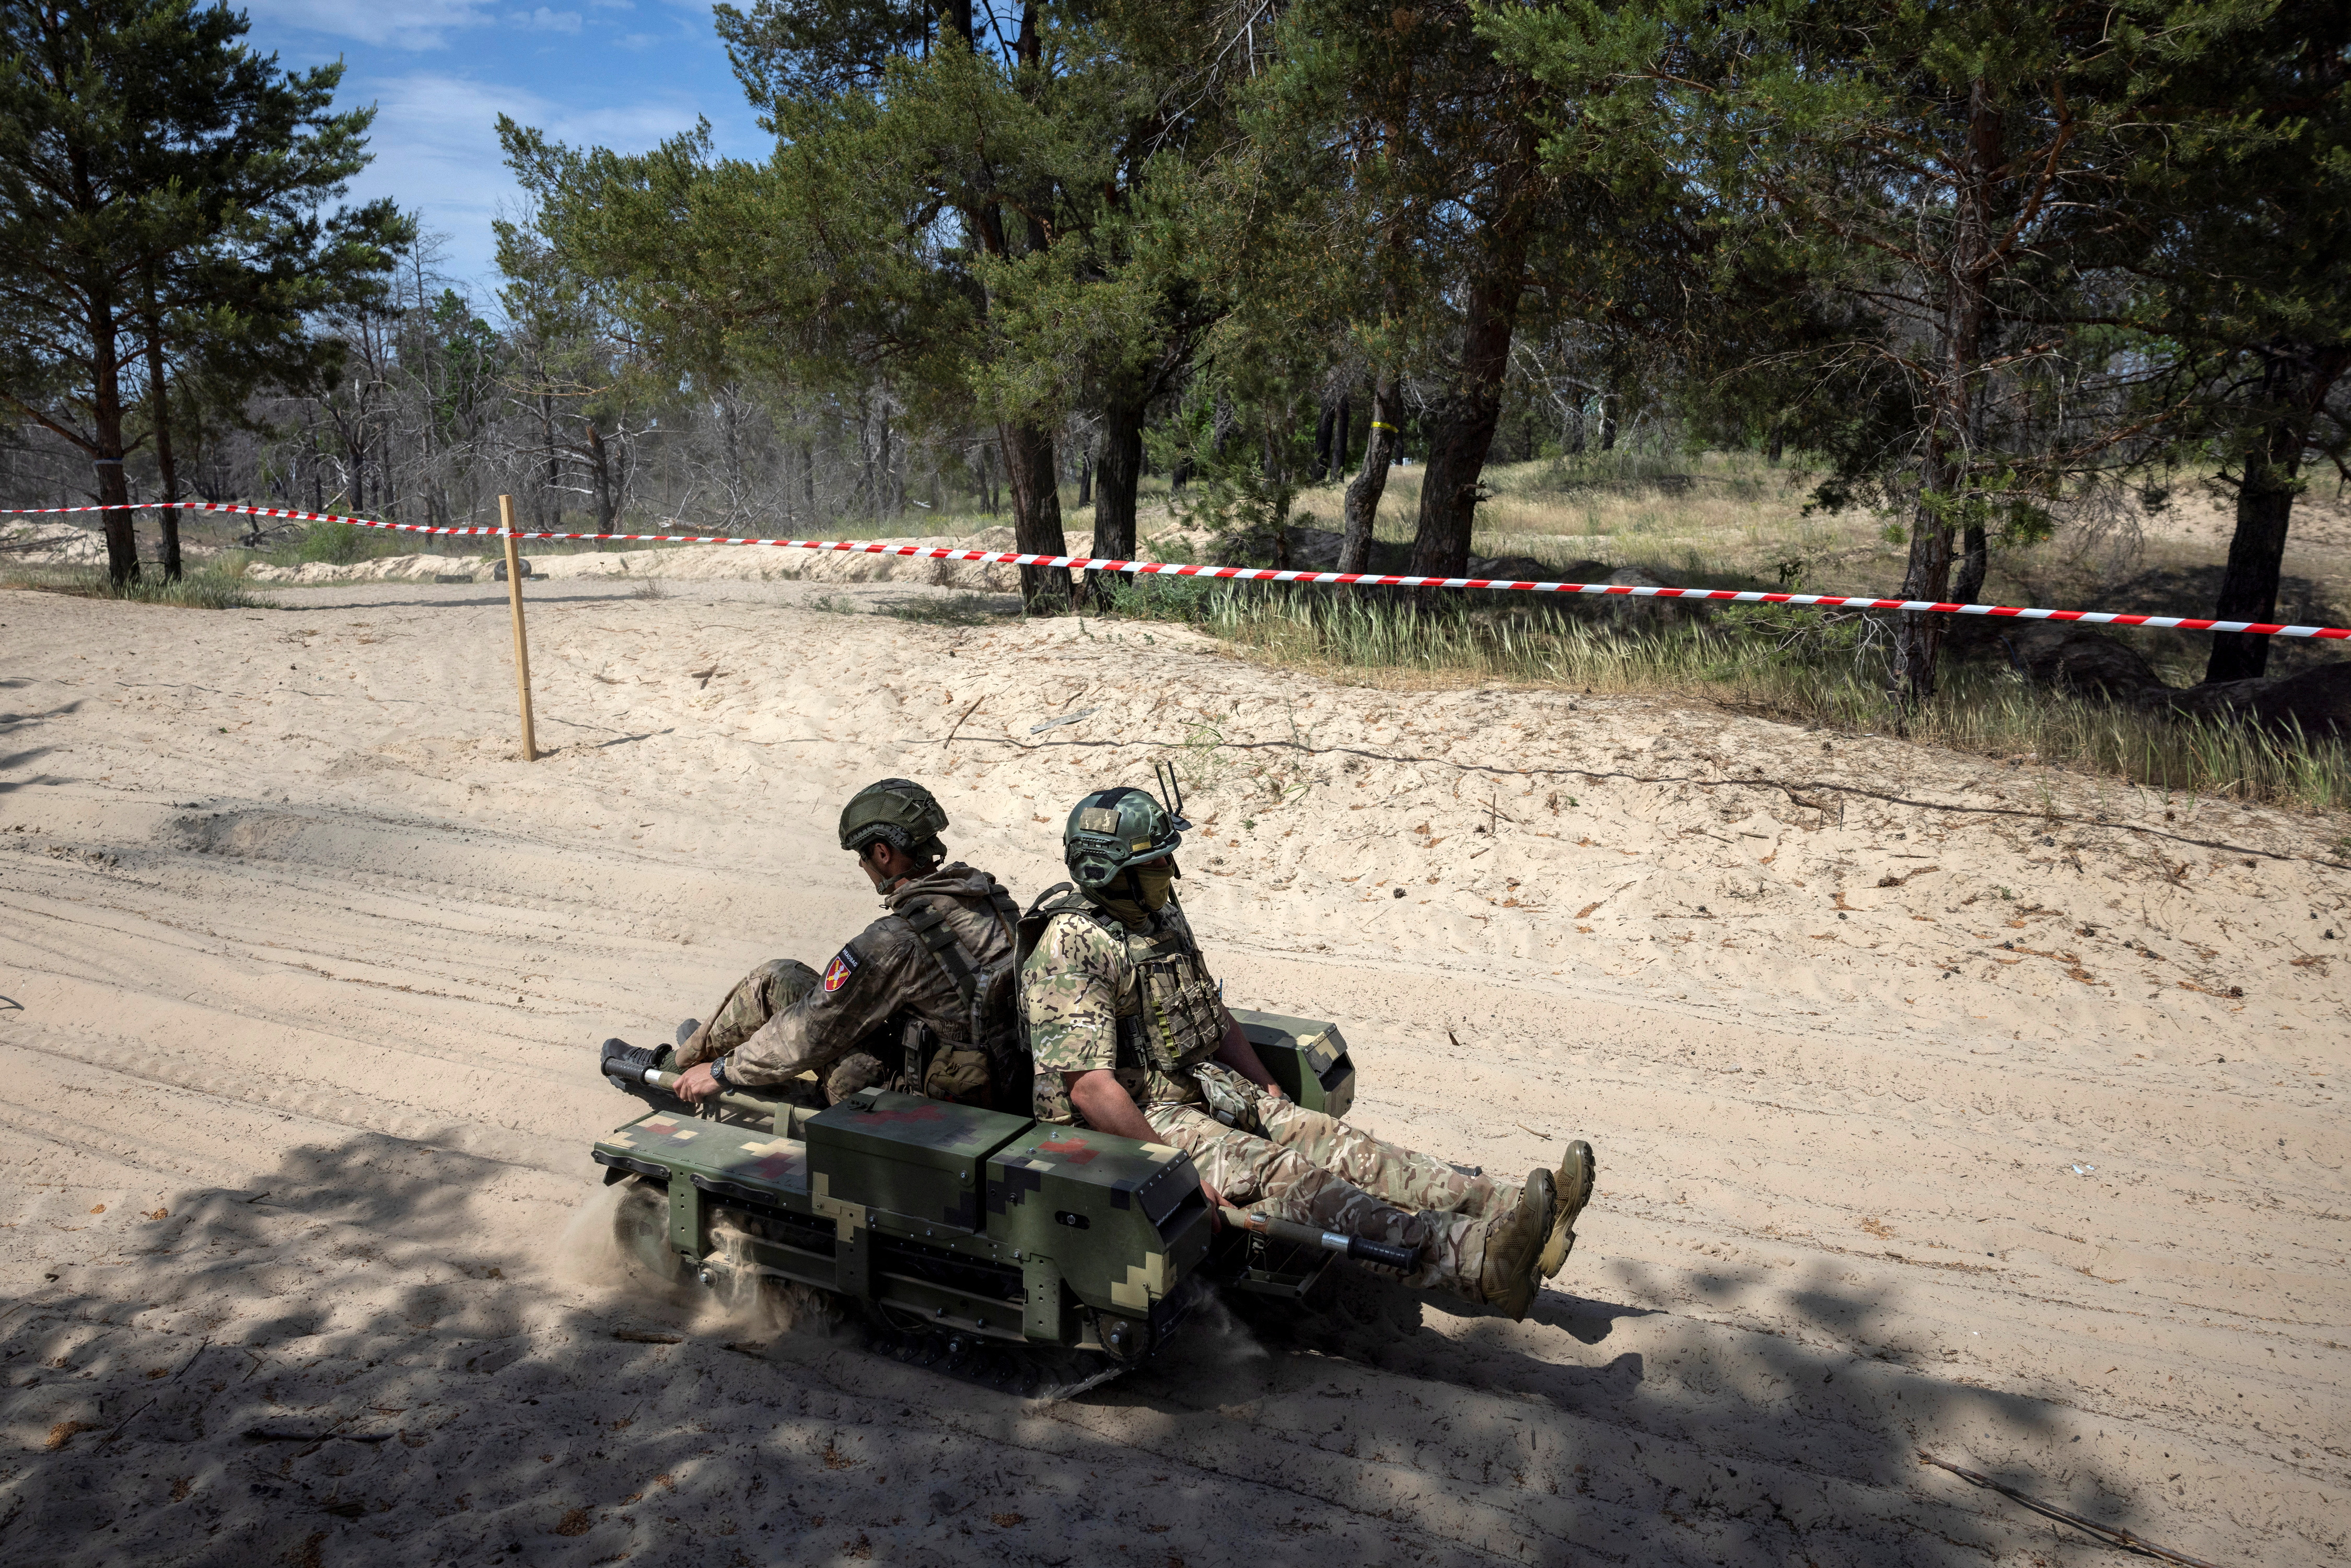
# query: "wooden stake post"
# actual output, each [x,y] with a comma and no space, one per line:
[522,646]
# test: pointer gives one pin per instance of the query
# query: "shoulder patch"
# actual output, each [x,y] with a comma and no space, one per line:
[845,964]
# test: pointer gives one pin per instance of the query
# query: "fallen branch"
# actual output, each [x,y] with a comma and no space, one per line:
[966,714]
[2112,1535]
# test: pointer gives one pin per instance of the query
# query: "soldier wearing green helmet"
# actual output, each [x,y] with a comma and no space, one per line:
[1129,1034]
[921,1000]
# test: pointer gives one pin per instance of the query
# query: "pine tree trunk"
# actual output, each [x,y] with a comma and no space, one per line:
[114,493]
[1118,475]
[1975,561]
[554,465]
[1036,514]
[1919,635]
[1461,431]
[2296,381]
[600,474]
[106,426]
[167,521]
[2256,561]
[1943,477]
[1362,508]
[1339,435]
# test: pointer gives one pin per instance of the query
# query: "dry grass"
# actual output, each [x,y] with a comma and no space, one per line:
[1804,666]
[1731,520]
[211,587]
[1712,513]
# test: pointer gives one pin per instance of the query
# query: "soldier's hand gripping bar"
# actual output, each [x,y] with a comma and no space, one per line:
[1404,1260]
[659,1089]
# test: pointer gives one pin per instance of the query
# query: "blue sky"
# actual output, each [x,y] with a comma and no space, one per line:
[617,73]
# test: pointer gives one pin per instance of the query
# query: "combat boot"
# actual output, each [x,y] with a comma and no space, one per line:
[1577,1170]
[1513,1250]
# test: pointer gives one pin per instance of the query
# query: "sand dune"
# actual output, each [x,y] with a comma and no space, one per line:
[694,563]
[1940,1104]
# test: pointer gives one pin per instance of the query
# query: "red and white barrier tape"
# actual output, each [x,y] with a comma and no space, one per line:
[1266,574]
[242,511]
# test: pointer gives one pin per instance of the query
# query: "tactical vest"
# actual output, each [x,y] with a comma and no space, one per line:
[1178,1023]
[988,996]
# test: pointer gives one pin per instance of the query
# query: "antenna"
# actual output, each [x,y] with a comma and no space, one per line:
[1171,793]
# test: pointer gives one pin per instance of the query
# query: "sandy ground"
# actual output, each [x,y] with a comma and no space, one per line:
[1940,1104]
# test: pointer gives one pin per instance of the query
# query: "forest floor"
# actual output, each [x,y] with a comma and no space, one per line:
[1941,1104]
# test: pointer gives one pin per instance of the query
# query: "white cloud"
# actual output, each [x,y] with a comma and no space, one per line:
[436,145]
[401,24]
[546,21]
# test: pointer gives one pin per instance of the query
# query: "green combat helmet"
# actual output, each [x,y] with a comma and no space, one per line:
[1113,829]
[896,811]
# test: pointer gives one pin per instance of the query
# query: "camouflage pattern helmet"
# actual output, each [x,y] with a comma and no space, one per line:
[1112,829]
[896,811]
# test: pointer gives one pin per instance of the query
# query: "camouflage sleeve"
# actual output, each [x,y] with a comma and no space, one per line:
[865,983]
[1069,998]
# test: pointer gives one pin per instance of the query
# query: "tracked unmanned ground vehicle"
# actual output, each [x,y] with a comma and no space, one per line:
[1021,1253]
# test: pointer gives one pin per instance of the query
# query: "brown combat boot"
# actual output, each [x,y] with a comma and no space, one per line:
[1514,1243]
[1577,1170]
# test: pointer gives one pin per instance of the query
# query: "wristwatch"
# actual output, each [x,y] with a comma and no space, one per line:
[718,1070]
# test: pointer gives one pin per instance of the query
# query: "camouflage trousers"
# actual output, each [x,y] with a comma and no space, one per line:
[760,996]
[1319,1171]
[1387,1171]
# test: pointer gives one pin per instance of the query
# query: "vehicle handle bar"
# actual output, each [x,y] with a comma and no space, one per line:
[655,1078]
[1402,1259]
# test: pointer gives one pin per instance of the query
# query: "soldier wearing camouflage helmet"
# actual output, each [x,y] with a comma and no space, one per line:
[921,1000]
[1129,1034]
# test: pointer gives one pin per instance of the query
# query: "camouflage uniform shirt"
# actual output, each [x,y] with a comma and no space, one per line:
[885,971]
[1083,976]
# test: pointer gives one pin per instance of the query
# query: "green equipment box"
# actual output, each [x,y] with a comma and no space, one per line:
[1307,1057]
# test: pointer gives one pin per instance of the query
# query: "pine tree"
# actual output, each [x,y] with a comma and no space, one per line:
[1965,181]
[2252,279]
[969,221]
[1413,152]
[159,189]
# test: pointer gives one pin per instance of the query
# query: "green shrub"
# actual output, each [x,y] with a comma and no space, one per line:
[1192,599]
[337,544]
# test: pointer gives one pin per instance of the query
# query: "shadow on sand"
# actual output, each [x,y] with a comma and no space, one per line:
[373,1355]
